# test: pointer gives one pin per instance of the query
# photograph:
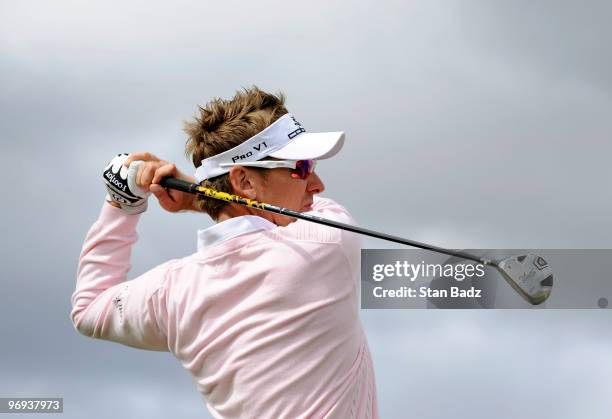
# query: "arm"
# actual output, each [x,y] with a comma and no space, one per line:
[105,305]
[349,242]
[327,208]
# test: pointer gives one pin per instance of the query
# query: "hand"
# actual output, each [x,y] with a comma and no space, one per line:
[151,170]
[122,192]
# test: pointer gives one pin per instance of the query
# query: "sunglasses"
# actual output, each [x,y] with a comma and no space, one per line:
[301,169]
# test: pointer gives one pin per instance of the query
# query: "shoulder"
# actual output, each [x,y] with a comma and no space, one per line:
[328,208]
[303,230]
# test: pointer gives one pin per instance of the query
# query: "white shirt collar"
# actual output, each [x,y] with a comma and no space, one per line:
[231,228]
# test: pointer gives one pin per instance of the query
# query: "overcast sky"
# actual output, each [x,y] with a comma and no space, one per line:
[470,124]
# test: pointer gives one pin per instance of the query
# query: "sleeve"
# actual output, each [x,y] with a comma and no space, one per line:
[349,242]
[104,304]
[327,208]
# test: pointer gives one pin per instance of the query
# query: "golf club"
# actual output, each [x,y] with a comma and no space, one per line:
[529,274]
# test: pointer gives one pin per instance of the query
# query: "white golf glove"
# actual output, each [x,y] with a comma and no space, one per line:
[121,185]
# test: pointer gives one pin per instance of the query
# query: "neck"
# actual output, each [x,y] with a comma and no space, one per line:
[231,211]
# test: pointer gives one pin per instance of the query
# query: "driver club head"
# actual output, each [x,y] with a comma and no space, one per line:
[529,274]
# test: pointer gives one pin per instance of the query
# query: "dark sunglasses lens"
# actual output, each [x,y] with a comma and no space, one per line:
[303,168]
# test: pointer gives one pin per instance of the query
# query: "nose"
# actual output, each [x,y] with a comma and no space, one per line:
[315,184]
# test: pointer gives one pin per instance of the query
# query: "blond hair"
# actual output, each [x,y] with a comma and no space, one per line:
[222,125]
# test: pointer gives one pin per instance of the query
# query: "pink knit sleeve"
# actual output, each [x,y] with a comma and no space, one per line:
[104,304]
[348,241]
[327,208]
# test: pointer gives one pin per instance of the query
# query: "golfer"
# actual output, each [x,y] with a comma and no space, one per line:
[264,313]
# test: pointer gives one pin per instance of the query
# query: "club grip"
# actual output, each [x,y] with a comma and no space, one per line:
[178,184]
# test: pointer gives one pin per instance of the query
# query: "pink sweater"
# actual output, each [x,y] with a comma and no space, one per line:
[265,318]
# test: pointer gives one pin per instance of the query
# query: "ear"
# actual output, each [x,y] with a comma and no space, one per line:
[244,181]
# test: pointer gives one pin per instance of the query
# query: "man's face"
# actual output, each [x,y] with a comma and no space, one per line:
[280,189]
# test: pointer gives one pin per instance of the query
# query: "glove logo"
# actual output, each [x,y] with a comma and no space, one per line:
[120,185]
[118,198]
[113,179]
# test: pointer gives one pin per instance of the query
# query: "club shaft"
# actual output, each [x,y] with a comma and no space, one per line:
[181,185]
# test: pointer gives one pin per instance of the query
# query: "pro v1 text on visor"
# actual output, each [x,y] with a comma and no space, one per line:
[285,139]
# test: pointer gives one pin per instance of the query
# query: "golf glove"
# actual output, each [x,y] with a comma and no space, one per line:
[121,185]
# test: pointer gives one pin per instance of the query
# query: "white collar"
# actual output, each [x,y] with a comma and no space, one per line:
[231,228]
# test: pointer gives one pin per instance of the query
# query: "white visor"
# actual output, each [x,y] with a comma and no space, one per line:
[284,139]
